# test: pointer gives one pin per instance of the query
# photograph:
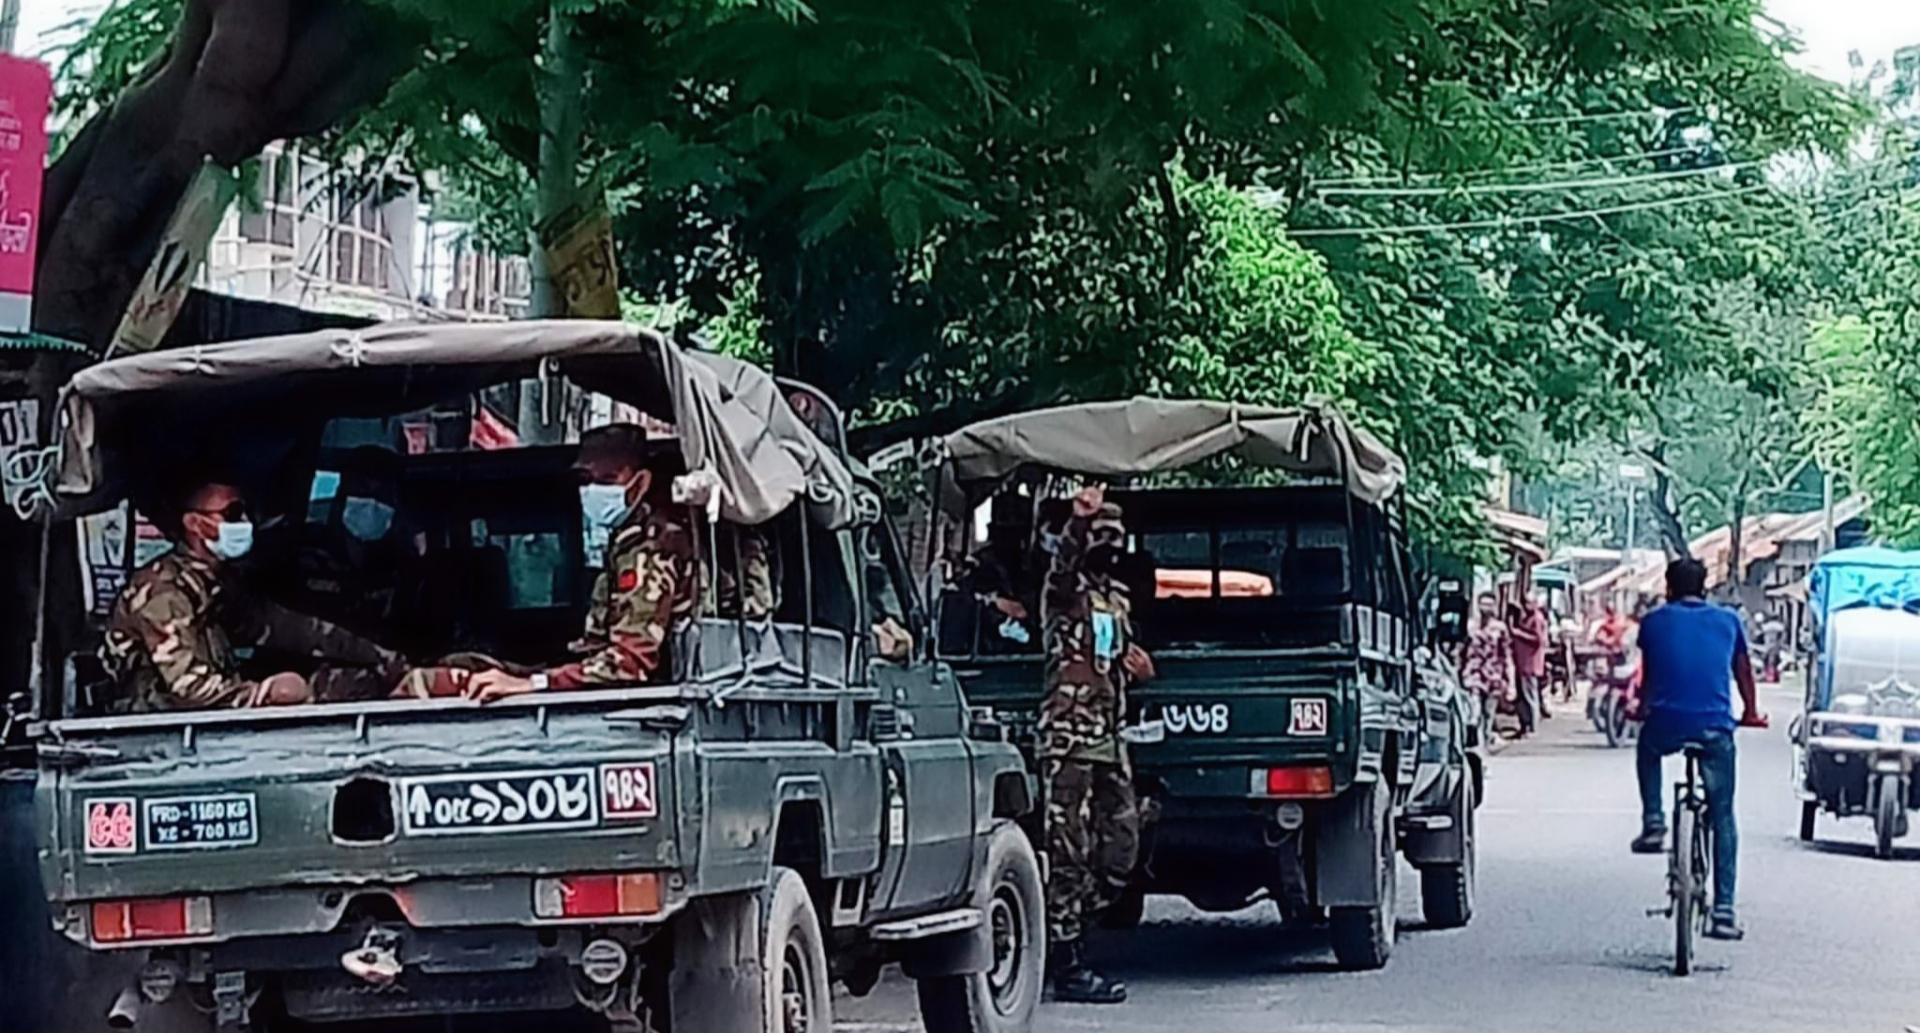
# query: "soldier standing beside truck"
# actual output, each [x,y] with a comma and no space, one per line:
[1093,820]
[171,636]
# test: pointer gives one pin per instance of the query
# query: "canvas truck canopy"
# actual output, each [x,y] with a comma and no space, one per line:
[120,417]
[1152,435]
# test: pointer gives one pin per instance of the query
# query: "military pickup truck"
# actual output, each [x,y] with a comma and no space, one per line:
[1299,736]
[795,805]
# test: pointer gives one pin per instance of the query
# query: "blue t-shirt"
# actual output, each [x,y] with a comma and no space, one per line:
[1688,648]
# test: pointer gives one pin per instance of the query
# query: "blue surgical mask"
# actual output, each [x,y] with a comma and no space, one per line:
[235,540]
[604,505]
[366,519]
[1106,635]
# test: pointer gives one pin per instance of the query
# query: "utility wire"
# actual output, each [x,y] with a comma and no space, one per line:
[1549,186]
[1515,170]
[1515,221]
[1565,120]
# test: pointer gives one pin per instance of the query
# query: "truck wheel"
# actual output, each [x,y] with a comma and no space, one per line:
[1125,912]
[1808,811]
[1363,936]
[798,996]
[1891,808]
[1446,890]
[1001,999]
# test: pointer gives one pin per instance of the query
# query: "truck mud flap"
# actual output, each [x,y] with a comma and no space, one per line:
[1440,838]
[716,982]
[1345,840]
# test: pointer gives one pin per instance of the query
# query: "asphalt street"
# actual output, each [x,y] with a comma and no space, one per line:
[1561,941]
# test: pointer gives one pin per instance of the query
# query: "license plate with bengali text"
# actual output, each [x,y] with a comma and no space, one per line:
[515,801]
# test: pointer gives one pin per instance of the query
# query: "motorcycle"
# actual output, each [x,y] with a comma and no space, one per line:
[1616,684]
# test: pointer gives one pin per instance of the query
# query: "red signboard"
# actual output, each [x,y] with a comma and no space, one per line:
[26,91]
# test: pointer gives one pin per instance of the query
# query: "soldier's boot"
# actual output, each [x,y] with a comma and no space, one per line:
[1074,983]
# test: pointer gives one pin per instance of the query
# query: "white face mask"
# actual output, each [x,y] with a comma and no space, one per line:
[604,505]
[234,541]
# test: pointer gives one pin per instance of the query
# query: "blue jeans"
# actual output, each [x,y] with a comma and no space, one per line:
[1717,772]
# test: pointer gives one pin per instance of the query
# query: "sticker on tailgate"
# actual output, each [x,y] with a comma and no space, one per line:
[200,822]
[515,801]
[1309,717]
[110,826]
[628,791]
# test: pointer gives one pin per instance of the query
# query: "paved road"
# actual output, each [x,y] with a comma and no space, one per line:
[1561,942]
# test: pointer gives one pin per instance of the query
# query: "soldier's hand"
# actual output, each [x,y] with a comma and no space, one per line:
[1138,663]
[488,686]
[1086,505]
[1010,607]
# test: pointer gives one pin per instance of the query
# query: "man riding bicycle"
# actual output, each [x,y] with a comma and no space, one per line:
[1691,650]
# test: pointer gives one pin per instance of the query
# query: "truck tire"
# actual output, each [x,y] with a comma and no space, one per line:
[1446,890]
[1126,911]
[798,996]
[1363,936]
[1890,808]
[752,961]
[1013,900]
[1809,810]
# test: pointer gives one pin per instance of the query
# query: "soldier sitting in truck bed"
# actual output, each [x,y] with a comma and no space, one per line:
[172,634]
[650,580]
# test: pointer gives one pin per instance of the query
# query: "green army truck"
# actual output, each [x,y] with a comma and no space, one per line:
[792,805]
[1299,736]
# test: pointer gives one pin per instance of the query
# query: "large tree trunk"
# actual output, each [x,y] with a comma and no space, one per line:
[1666,507]
[238,75]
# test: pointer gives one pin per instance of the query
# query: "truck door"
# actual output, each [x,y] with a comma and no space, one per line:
[930,798]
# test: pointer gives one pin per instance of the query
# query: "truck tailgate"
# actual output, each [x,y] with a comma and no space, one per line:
[387,796]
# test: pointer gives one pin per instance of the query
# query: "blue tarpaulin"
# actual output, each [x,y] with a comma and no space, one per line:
[1869,576]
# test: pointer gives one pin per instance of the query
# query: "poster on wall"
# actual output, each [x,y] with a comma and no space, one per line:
[26,92]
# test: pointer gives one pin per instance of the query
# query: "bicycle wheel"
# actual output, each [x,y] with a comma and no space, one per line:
[1683,886]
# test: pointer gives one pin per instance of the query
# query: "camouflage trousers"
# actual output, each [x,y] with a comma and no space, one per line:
[1093,839]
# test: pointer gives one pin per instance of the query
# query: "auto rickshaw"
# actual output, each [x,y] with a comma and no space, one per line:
[1856,744]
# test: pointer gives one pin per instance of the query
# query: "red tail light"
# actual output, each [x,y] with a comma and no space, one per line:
[1293,783]
[597,896]
[172,918]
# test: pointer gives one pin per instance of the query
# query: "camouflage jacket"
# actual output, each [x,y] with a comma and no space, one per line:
[754,568]
[171,638]
[649,583]
[1086,697]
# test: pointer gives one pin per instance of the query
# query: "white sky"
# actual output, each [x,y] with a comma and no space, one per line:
[1829,29]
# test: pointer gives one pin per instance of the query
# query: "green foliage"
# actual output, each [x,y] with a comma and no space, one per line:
[96,59]
[942,210]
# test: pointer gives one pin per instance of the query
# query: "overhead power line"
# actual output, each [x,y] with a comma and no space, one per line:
[1549,186]
[1565,120]
[1518,221]
[1569,164]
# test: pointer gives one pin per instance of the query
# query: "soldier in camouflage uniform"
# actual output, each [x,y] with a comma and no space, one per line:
[1093,831]
[648,584]
[754,568]
[172,635]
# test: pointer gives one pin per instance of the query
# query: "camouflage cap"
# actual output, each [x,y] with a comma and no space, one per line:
[1109,518]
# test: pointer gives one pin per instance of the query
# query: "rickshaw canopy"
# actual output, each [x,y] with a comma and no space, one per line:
[1867,576]
[1863,603]
[730,417]
[1157,435]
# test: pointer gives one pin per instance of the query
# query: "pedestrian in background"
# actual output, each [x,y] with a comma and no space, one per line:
[1488,669]
[1530,632]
